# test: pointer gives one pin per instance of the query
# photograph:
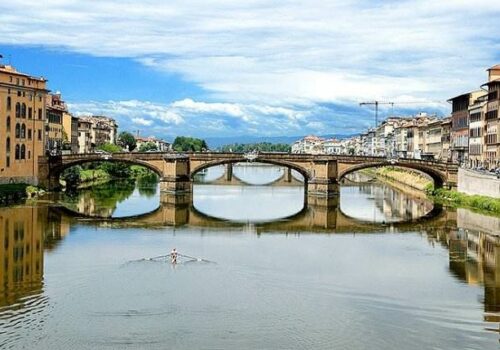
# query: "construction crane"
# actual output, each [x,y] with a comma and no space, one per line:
[376,103]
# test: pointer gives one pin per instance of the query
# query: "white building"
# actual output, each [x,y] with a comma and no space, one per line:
[161,145]
[333,146]
[310,144]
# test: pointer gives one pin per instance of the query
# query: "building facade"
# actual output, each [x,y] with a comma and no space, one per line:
[460,125]
[22,125]
[491,122]
[477,113]
[101,129]
[84,136]
[161,145]
[55,108]
[70,133]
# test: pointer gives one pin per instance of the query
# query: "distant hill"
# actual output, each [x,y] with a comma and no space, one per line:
[215,142]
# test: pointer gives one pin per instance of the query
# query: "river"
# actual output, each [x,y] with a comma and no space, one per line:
[374,268]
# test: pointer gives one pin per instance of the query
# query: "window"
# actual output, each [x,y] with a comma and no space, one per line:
[492,114]
[29,154]
[23,110]
[7,145]
[30,113]
[18,93]
[39,135]
[40,114]
[29,134]
[18,130]
[7,161]
[23,131]
[475,117]
[8,123]
[23,152]
[18,152]
[18,110]
[9,103]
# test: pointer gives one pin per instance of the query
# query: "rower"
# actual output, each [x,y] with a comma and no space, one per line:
[173,256]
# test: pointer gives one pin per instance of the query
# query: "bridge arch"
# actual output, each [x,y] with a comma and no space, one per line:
[304,172]
[437,176]
[57,170]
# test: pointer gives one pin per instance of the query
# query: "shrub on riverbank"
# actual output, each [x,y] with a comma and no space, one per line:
[457,199]
[13,193]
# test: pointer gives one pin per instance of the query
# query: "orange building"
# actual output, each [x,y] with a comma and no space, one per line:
[22,125]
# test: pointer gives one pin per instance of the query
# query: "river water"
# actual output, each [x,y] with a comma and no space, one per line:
[375,268]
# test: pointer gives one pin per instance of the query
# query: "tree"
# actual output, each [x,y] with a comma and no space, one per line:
[189,144]
[148,146]
[72,177]
[127,140]
[110,148]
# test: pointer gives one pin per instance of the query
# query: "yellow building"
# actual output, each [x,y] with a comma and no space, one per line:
[70,133]
[22,125]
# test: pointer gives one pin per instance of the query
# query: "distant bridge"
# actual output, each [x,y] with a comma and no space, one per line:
[322,173]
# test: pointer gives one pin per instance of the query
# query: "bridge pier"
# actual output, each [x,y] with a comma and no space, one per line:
[229,172]
[323,180]
[288,175]
[176,175]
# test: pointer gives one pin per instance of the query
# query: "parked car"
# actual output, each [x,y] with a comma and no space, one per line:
[100,151]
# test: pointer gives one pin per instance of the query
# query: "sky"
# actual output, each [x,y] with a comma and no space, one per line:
[255,67]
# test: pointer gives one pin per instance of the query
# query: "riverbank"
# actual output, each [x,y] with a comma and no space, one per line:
[451,198]
[81,178]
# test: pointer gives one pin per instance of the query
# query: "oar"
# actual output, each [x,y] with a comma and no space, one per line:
[194,258]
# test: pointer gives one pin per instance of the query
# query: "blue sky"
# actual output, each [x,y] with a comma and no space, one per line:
[254,67]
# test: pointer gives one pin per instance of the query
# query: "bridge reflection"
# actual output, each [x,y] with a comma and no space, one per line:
[319,214]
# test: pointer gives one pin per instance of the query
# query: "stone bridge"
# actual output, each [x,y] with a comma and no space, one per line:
[322,173]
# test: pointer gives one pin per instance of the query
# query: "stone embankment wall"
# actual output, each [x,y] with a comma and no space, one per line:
[475,183]
[470,220]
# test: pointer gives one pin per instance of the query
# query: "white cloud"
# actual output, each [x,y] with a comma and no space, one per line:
[214,119]
[273,61]
[142,121]
[279,51]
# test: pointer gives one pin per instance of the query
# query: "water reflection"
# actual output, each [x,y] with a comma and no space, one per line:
[283,278]
[25,304]
[244,203]
[116,199]
[376,202]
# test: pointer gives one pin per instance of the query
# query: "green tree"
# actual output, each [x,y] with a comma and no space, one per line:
[72,177]
[110,148]
[189,144]
[117,169]
[148,146]
[127,140]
